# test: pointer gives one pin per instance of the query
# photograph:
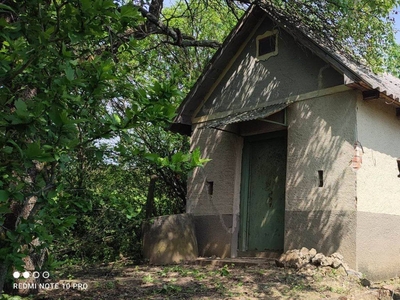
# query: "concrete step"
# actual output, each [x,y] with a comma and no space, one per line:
[239,261]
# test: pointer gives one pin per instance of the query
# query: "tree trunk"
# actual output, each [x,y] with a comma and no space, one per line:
[150,209]
[18,212]
[3,275]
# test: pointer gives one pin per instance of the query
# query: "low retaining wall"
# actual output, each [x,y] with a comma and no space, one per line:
[169,239]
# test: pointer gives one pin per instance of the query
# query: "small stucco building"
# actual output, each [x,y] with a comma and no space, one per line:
[303,143]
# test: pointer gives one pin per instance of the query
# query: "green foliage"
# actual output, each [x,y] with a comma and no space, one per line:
[63,87]
[224,271]
[197,20]
[178,162]
[170,289]
[359,27]
[148,279]
[83,112]
[114,221]
[393,64]
[117,189]
[10,297]
[100,135]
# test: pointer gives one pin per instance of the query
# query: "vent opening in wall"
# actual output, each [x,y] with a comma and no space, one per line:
[267,45]
[210,187]
[320,178]
[398,166]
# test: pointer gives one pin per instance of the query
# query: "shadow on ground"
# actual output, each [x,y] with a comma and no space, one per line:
[261,281]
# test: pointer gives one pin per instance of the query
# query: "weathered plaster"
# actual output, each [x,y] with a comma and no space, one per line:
[224,150]
[214,235]
[222,209]
[321,135]
[378,246]
[236,199]
[378,187]
[328,231]
[356,214]
[378,190]
[169,239]
[250,82]
[219,211]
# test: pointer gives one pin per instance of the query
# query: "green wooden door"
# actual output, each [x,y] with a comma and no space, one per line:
[263,193]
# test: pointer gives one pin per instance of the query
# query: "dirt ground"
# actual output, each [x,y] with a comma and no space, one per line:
[266,281]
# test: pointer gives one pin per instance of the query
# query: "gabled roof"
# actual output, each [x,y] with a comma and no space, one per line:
[357,75]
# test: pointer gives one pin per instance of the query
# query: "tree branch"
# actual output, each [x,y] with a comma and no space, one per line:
[174,33]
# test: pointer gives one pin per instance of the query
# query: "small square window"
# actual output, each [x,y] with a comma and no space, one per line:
[267,45]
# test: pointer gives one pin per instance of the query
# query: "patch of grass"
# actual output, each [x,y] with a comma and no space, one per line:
[182,271]
[211,273]
[299,287]
[148,279]
[337,290]
[110,285]
[334,273]
[164,272]
[170,289]
[220,287]
[200,276]
[231,294]
[9,297]
[323,288]
[224,271]
[318,277]
[256,271]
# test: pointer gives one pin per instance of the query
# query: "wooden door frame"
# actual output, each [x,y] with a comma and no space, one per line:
[244,186]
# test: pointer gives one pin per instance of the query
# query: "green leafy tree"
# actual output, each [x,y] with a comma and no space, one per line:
[60,75]
[145,150]
[67,82]
[361,28]
[75,72]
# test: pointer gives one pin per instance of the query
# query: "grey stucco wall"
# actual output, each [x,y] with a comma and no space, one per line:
[321,135]
[225,150]
[356,214]
[214,235]
[378,191]
[249,82]
[216,215]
